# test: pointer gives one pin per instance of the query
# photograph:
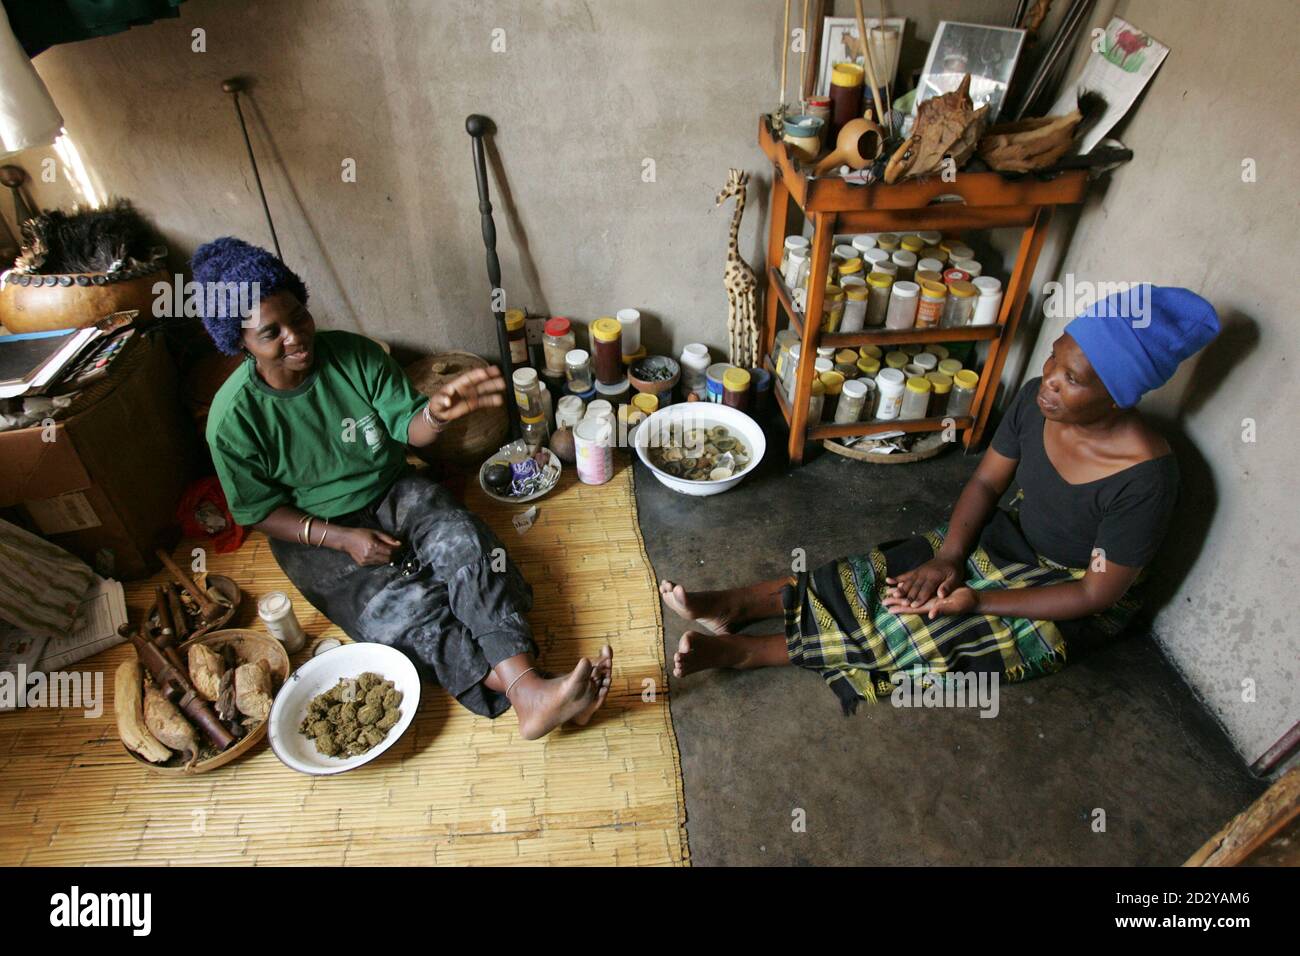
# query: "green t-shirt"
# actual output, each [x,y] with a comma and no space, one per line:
[330,446]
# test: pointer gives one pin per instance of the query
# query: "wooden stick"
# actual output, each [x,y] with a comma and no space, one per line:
[209,610]
[867,59]
[803,56]
[892,66]
[785,49]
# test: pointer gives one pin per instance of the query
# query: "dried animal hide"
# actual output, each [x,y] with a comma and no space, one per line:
[947,125]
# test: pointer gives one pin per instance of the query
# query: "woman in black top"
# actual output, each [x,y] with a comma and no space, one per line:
[996,590]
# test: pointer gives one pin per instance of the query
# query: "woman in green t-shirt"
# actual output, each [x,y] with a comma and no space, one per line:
[308,437]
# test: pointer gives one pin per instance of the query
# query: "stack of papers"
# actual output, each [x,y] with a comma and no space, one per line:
[31,360]
[102,611]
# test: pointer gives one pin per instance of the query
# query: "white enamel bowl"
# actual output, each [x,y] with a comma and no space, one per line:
[318,675]
[669,422]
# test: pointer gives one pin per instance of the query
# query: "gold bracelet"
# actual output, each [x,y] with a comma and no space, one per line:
[324,534]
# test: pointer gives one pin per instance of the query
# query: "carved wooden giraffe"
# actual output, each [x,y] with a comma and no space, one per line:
[739,281]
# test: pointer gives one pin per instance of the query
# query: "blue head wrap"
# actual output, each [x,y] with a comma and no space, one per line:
[232,263]
[1136,339]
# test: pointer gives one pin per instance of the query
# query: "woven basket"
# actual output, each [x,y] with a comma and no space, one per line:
[470,439]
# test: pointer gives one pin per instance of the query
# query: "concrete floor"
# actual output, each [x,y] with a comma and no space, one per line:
[1117,731]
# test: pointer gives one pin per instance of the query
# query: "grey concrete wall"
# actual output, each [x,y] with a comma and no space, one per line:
[583,94]
[1180,214]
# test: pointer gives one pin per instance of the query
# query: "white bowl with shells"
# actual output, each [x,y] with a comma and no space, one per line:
[700,448]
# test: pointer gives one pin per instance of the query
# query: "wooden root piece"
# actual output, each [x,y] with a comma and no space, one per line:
[253,690]
[165,722]
[129,706]
[1029,144]
[206,668]
[947,125]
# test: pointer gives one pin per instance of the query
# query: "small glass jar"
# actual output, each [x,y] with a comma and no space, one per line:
[960,307]
[855,308]
[879,286]
[849,268]
[791,369]
[607,340]
[832,308]
[515,321]
[916,398]
[902,305]
[872,258]
[906,263]
[577,371]
[962,396]
[846,363]
[532,428]
[956,249]
[864,244]
[528,392]
[816,402]
[735,389]
[795,270]
[853,396]
[940,387]
[785,339]
[929,308]
[558,341]
[792,245]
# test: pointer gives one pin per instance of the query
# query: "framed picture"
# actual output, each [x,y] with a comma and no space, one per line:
[988,54]
[840,45]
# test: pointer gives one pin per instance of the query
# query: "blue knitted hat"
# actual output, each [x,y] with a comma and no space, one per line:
[232,262]
[1136,339]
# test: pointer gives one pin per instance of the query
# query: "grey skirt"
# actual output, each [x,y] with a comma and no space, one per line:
[452,601]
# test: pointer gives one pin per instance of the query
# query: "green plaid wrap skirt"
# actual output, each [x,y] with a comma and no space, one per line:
[836,624]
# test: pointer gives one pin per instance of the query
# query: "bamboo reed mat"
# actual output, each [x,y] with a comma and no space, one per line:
[456,789]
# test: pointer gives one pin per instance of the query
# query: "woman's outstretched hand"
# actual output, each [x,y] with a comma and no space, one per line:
[961,600]
[368,546]
[938,577]
[477,388]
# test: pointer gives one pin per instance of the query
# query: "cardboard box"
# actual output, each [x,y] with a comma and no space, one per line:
[105,481]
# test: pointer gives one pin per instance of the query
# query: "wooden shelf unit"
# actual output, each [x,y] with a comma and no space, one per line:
[972,201]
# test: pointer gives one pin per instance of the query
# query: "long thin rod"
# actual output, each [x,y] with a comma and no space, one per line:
[477,126]
[252,158]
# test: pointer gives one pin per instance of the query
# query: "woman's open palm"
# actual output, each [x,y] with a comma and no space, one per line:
[477,388]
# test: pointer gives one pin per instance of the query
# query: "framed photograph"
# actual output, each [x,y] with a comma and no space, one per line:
[840,44]
[988,54]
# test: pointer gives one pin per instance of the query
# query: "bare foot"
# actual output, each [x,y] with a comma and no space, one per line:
[602,674]
[702,607]
[698,652]
[545,703]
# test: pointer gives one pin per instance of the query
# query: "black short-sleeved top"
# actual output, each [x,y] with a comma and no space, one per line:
[1125,514]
